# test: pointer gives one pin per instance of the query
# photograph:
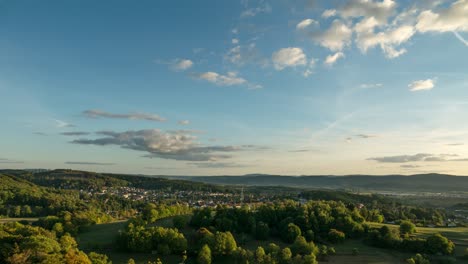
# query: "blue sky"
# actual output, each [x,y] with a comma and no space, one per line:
[235,87]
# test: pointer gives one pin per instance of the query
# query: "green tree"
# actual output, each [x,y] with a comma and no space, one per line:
[225,243]
[131,261]
[437,243]
[286,256]
[291,233]
[418,259]
[407,228]
[260,255]
[204,256]
[336,236]
[310,259]
[98,258]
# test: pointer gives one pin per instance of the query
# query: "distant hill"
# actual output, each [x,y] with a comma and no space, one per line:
[400,183]
[72,179]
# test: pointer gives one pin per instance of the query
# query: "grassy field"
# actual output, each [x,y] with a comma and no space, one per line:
[459,235]
[8,220]
[366,254]
[100,236]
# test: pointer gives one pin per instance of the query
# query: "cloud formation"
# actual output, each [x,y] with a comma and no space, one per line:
[93,113]
[181,64]
[229,79]
[306,23]
[380,10]
[417,158]
[183,122]
[452,18]
[334,38]
[421,85]
[288,57]
[176,145]
[332,59]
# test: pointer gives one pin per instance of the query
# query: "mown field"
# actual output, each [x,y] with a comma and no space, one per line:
[459,235]
[99,238]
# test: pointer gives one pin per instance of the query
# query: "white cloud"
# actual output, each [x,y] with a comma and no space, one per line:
[181,64]
[421,85]
[305,24]
[234,41]
[329,13]
[288,57]
[388,40]
[335,38]
[380,10]
[332,59]
[184,122]
[453,18]
[229,79]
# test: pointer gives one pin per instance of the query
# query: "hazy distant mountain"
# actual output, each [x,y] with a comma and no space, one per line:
[419,182]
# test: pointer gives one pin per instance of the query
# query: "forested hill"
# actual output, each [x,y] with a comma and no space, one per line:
[419,182]
[72,179]
[85,180]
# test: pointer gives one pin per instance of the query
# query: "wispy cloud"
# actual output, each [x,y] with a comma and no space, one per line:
[62,124]
[332,59]
[8,161]
[218,165]
[306,23]
[417,158]
[370,85]
[365,136]
[77,133]
[230,79]
[183,122]
[455,144]
[93,113]
[461,38]
[251,12]
[409,166]
[181,64]
[40,133]
[88,163]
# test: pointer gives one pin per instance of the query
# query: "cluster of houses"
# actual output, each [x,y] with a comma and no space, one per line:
[195,199]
